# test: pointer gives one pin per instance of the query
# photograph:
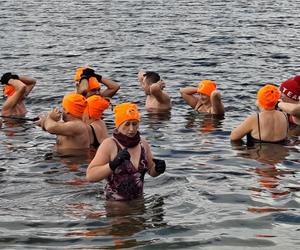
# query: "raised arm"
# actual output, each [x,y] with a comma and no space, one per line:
[112,87]
[11,101]
[156,89]
[53,125]
[29,82]
[290,108]
[187,94]
[216,102]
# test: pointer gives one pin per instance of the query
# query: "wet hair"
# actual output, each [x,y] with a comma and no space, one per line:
[152,77]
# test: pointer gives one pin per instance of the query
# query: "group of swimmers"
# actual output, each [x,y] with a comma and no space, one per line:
[125,157]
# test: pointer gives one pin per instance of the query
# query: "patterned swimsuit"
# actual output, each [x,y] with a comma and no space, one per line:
[127,182]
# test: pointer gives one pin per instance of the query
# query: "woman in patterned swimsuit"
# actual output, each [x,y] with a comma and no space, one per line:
[124,158]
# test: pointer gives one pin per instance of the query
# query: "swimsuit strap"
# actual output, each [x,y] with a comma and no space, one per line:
[96,142]
[258,124]
[117,144]
[288,123]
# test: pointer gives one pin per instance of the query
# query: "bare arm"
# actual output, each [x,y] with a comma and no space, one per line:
[244,128]
[11,101]
[156,89]
[187,94]
[217,105]
[149,156]
[82,87]
[54,126]
[112,87]
[98,168]
[29,82]
[290,108]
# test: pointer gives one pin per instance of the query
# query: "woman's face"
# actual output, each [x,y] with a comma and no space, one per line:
[129,128]
[287,99]
[204,98]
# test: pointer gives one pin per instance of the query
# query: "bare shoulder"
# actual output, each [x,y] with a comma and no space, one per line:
[108,142]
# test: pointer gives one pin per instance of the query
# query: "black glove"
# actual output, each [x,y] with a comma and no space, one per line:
[160,166]
[7,76]
[87,73]
[119,159]
[99,77]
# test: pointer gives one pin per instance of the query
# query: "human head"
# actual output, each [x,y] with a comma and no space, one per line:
[290,89]
[8,90]
[96,106]
[268,96]
[74,104]
[206,87]
[93,83]
[124,113]
[151,77]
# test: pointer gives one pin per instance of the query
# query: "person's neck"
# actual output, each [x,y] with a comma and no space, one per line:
[70,118]
[267,110]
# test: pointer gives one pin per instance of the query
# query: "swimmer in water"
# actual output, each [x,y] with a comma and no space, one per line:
[267,126]
[88,83]
[157,100]
[205,98]
[124,158]
[16,88]
[71,132]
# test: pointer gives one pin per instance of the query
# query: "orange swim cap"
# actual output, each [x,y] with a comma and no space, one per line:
[74,104]
[268,96]
[126,111]
[93,82]
[78,73]
[206,87]
[96,106]
[8,90]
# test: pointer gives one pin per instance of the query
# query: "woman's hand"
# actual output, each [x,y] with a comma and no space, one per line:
[55,114]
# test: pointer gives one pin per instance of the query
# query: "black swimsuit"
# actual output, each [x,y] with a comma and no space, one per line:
[96,143]
[251,140]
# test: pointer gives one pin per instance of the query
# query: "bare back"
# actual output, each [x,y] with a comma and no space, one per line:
[273,126]
[80,139]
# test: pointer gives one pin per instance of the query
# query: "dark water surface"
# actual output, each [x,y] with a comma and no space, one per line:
[213,195]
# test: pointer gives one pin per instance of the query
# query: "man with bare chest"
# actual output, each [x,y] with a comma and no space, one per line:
[157,100]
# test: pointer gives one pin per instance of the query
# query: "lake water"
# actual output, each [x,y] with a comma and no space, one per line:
[214,195]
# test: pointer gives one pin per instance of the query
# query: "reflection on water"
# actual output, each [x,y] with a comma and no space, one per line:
[270,176]
[206,123]
[119,220]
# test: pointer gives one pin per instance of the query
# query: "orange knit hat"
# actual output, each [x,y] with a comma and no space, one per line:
[126,111]
[93,82]
[96,106]
[74,104]
[268,96]
[8,90]
[206,87]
